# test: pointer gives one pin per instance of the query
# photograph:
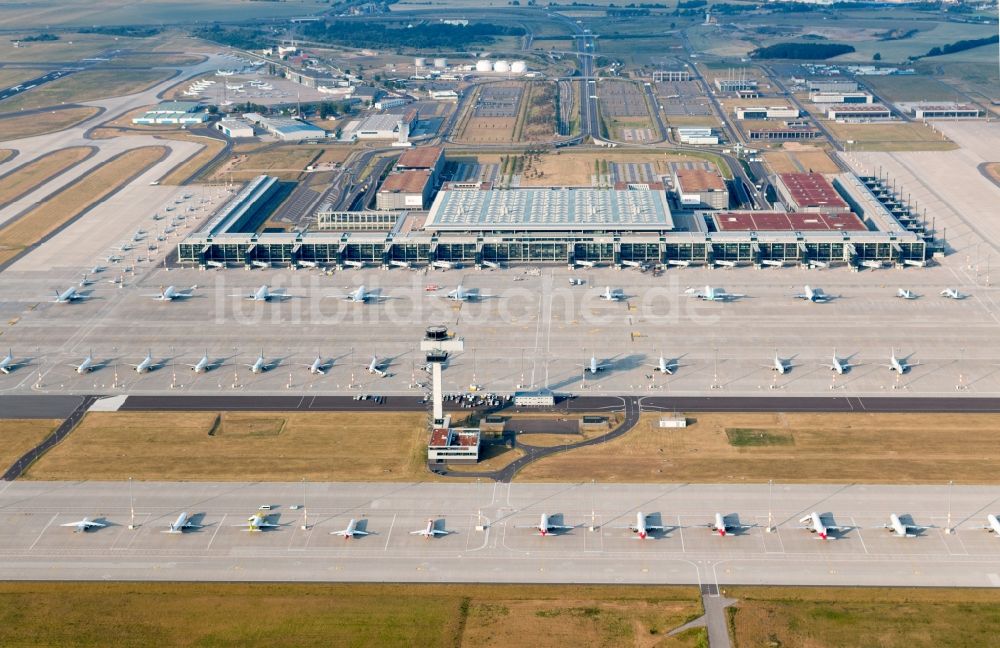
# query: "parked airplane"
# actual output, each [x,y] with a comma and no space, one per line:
[546,526]
[712,294]
[594,366]
[264,294]
[260,365]
[7,364]
[902,530]
[992,524]
[780,365]
[641,528]
[612,295]
[460,294]
[351,530]
[86,366]
[814,522]
[375,367]
[359,296]
[171,293]
[96,269]
[257,522]
[181,524]
[722,527]
[318,366]
[953,293]
[430,531]
[202,365]
[903,293]
[84,525]
[146,364]
[840,365]
[815,295]
[665,366]
[899,365]
[85,281]
[69,295]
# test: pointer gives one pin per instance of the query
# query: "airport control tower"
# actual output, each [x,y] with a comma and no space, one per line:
[437,344]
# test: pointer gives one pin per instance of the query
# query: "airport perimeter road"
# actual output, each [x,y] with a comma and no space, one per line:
[34,545]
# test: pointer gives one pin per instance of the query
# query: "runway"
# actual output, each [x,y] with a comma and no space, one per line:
[34,546]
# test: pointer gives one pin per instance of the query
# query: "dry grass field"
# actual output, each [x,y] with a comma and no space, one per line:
[79,196]
[260,446]
[85,86]
[17,436]
[356,614]
[793,159]
[186,171]
[284,161]
[13,76]
[6,154]
[892,136]
[563,168]
[993,169]
[922,448]
[28,176]
[40,123]
[538,116]
[863,617]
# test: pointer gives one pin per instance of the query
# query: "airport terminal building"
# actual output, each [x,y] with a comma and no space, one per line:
[561,225]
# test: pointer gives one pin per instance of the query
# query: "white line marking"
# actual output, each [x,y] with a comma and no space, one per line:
[43,531]
[389,535]
[216,532]
[857,528]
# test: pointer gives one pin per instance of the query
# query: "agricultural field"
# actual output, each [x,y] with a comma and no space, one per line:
[725,448]
[181,446]
[862,617]
[39,123]
[891,136]
[85,86]
[73,200]
[17,436]
[493,115]
[350,614]
[24,178]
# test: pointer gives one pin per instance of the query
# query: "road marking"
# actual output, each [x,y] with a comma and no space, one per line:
[857,528]
[43,531]
[389,535]
[216,532]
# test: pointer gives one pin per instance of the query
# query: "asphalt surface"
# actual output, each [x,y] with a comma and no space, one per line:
[60,433]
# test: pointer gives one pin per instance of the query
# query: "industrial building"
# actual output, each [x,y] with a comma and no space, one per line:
[173,113]
[700,187]
[235,128]
[405,190]
[425,158]
[831,85]
[391,102]
[809,192]
[454,445]
[694,135]
[858,111]
[287,130]
[373,127]
[767,112]
[841,98]
[735,85]
[939,110]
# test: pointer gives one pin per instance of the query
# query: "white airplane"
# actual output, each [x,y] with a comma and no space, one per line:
[180,524]
[460,294]
[722,527]
[263,294]
[840,365]
[96,269]
[641,529]
[84,525]
[430,531]
[780,365]
[113,258]
[992,524]
[814,522]
[612,295]
[260,365]
[953,293]
[374,367]
[359,296]
[594,366]
[85,281]
[351,530]
[171,293]
[257,522]
[899,365]
[68,296]
[546,526]
[664,366]
[902,530]
[202,366]
[86,366]
[712,294]
[7,364]
[318,366]
[815,295]
[147,364]
[903,293]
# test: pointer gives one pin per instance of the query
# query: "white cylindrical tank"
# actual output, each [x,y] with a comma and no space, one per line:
[440,63]
[420,61]
[484,65]
[501,66]
[518,67]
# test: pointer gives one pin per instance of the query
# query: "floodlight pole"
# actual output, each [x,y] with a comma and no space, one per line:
[948,528]
[770,510]
[131,505]
[305,509]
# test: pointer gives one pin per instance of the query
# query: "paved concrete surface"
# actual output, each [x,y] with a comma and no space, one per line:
[33,546]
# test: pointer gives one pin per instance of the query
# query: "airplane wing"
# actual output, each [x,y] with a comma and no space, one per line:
[360,533]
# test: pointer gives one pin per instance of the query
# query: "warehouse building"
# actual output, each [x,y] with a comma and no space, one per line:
[235,128]
[767,112]
[939,110]
[374,127]
[841,98]
[809,192]
[287,130]
[425,158]
[735,85]
[405,190]
[831,85]
[858,111]
[173,113]
[700,187]
[697,136]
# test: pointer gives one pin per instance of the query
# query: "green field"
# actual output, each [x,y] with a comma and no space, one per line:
[303,615]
